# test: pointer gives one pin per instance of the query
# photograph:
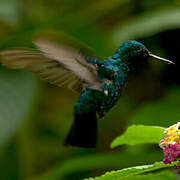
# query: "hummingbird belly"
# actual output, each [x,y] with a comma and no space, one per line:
[89,101]
[112,94]
[96,101]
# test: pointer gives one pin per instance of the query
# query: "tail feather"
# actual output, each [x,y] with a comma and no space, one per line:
[83,132]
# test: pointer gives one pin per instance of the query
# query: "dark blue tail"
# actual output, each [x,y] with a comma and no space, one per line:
[83,132]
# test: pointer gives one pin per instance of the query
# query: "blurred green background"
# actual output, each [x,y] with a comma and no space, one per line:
[35,117]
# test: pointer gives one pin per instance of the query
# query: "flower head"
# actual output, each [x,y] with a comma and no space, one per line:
[171,144]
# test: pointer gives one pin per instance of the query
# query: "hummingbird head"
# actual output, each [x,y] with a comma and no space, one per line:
[134,52]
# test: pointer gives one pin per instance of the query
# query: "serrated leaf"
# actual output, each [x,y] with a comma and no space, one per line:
[130,172]
[139,134]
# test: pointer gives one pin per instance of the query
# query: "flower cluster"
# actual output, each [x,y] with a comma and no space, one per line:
[171,144]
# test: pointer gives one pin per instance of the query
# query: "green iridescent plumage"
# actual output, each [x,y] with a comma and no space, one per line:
[100,82]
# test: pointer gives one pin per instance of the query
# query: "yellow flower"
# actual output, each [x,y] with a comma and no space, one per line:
[174,136]
[172,128]
[167,140]
[164,142]
[170,139]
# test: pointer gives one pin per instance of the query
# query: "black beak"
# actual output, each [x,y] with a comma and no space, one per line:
[161,59]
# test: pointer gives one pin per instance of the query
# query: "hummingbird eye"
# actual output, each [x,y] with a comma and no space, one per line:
[140,53]
[143,53]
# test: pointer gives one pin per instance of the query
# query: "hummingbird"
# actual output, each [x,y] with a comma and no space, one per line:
[99,82]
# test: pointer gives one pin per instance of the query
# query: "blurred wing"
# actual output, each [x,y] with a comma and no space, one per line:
[71,60]
[64,39]
[57,65]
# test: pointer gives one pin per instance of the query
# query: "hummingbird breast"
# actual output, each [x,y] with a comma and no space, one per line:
[112,94]
[113,88]
[96,101]
[102,100]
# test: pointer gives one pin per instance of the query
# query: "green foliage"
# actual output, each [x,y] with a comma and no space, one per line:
[17,93]
[139,134]
[148,24]
[129,172]
[160,176]
[101,161]
[166,108]
[9,11]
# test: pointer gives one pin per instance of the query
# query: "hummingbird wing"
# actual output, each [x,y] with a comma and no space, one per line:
[72,60]
[58,64]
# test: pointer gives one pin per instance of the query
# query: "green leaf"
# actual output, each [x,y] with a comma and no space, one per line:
[17,92]
[139,134]
[168,175]
[147,24]
[130,172]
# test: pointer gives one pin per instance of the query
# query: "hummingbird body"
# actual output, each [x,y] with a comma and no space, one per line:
[93,104]
[114,72]
[100,82]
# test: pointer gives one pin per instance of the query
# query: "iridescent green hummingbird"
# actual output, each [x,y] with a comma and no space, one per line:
[100,82]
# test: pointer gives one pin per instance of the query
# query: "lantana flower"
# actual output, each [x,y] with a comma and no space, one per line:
[171,144]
